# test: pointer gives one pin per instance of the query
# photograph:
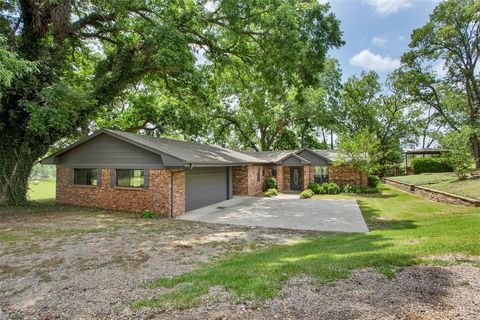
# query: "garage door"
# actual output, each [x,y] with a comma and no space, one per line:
[204,186]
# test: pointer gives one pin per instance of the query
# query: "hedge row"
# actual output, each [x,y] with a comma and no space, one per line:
[432,164]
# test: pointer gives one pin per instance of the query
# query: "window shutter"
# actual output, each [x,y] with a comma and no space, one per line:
[112,178]
[99,177]
[71,178]
[146,178]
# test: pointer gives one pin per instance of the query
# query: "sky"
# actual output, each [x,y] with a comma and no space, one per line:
[377,32]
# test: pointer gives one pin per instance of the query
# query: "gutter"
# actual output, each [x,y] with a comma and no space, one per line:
[172,176]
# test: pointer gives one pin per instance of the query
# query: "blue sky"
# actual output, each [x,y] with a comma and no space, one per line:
[377,32]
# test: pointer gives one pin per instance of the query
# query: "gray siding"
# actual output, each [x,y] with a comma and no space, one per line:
[314,159]
[107,151]
[204,186]
[292,162]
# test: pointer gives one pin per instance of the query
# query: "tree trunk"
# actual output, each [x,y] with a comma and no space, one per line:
[15,168]
[475,142]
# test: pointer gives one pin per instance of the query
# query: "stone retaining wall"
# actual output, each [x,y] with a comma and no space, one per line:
[434,195]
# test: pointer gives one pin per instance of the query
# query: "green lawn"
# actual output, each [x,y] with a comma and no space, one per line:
[447,182]
[426,178]
[405,230]
[468,188]
[43,190]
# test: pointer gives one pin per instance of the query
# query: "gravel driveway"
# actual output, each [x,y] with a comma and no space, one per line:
[70,263]
[286,211]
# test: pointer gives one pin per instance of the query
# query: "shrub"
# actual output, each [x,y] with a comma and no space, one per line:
[271,183]
[373,181]
[272,192]
[350,188]
[432,164]
[368,190]
[148,215]
[315,187]
[332,188]
[307,193]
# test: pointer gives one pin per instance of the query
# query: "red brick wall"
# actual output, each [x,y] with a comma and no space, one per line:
[155,198]
[345,174]
[307,178]
[245,179]
[280,179]
[286,178]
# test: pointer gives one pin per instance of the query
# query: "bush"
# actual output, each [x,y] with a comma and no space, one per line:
[271,183]
[432,164]
[373,181]
[148,215]
[350,188]
[306,194]
[369,190]
[331,188]
[272,192]
[315,187]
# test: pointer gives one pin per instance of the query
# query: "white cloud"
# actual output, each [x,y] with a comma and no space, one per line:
[386,7]
[377,41]
[440,69]
[376,62]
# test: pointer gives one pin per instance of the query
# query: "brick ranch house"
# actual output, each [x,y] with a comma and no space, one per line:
[126,171]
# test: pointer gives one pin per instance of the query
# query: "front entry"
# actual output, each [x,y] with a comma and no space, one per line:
[296,178]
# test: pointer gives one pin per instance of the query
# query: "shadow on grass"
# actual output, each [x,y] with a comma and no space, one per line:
[375,220]
[260,275]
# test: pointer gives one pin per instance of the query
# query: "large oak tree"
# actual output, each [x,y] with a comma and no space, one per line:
[63,61]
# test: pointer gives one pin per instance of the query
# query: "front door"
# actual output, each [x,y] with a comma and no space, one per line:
[295,178]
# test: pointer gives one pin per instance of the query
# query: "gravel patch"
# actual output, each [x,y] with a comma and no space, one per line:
[92,265]
[420,292]
[85,266]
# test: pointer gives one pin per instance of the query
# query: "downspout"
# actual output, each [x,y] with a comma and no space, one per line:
[172,178]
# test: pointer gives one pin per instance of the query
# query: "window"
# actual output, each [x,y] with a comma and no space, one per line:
[274,171]
[263,171]
[258,173]
[130,178]
[321,174]
[85,177]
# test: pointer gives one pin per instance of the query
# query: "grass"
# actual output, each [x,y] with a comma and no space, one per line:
[405,230]
[467,188]
[427,178]
[45,189]
[447,182]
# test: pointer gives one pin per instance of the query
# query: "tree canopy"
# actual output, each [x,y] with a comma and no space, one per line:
[66,62]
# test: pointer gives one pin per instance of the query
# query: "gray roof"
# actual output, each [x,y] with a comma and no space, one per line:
[270,156]
[196,153]
[329,154]
[426,151]
[190,152]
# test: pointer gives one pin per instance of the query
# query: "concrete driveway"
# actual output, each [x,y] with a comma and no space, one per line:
[284,211]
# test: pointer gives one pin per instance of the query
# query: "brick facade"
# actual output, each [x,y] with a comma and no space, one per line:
[156,197]
[346,174]
[280,179]
[246,182]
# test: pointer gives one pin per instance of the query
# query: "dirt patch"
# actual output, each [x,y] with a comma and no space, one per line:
[420,292]
[71,263]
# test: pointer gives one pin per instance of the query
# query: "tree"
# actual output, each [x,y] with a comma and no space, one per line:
[71,59]
[459,153]
[362,150]
[450,39]
[386,114]
[313,107]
